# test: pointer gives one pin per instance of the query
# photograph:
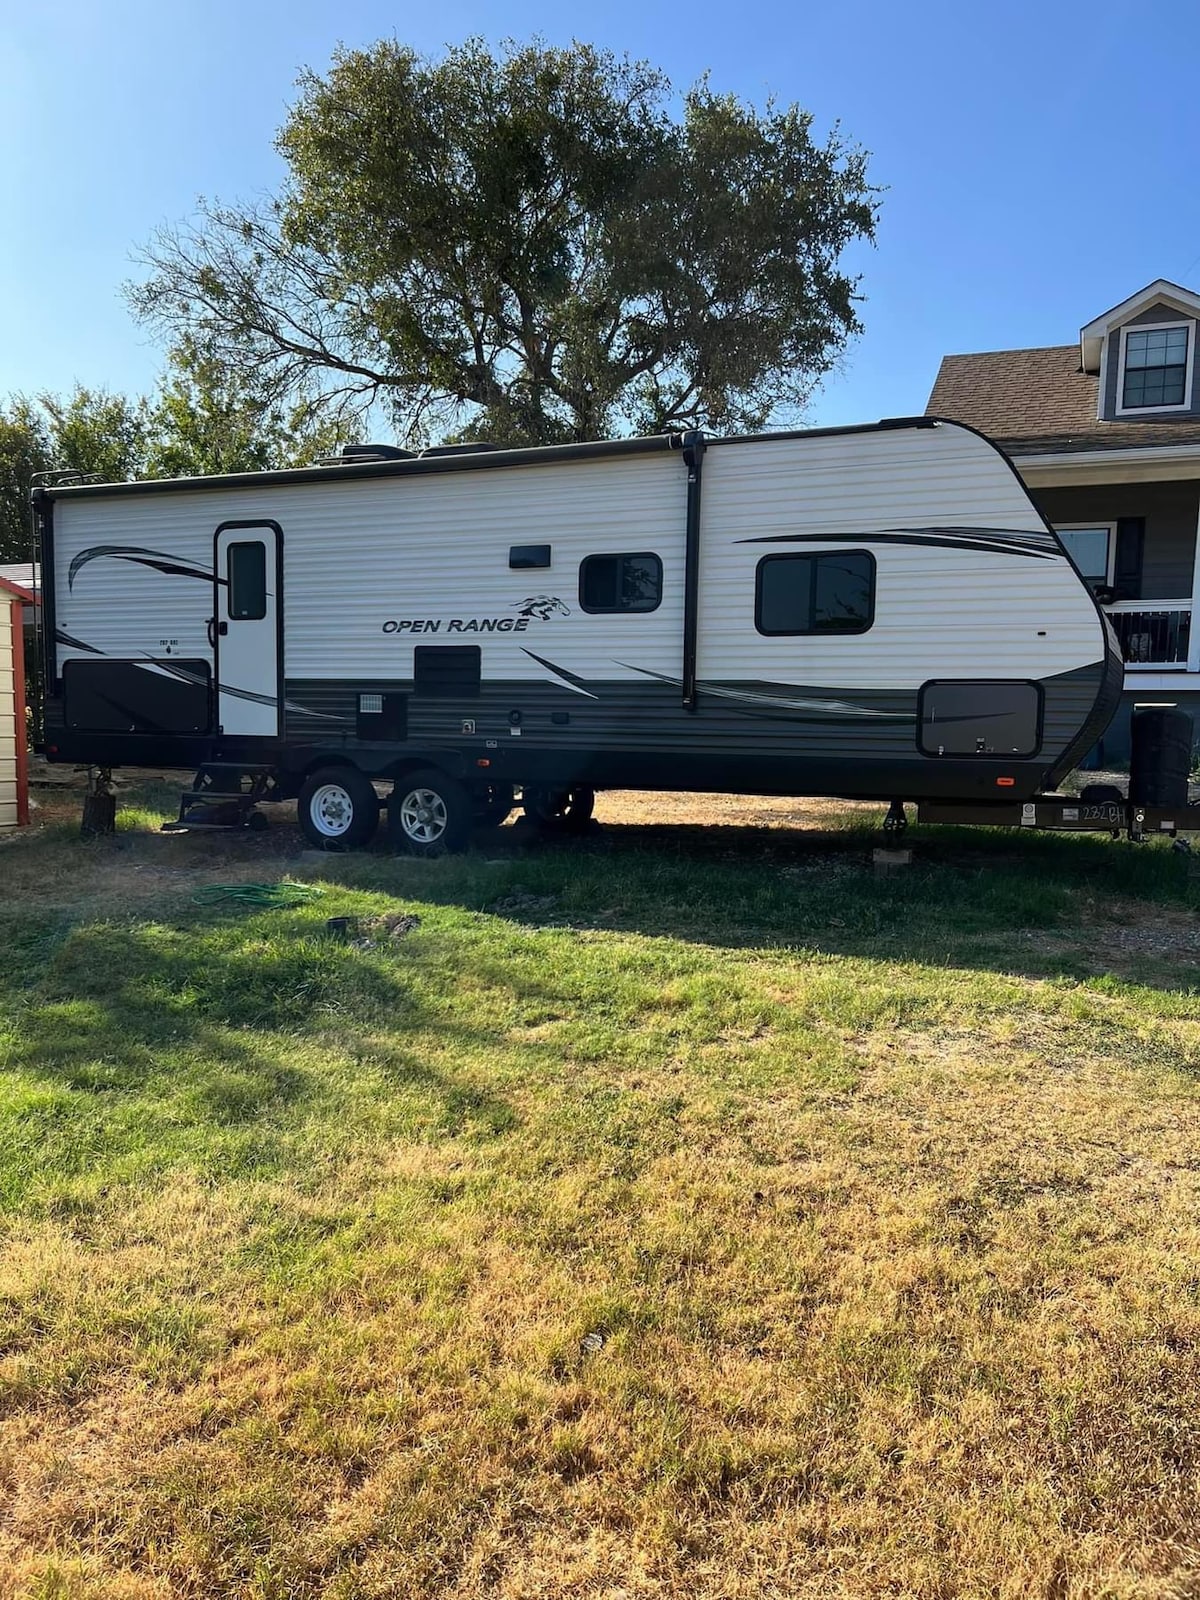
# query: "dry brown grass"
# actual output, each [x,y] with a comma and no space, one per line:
[895,1263]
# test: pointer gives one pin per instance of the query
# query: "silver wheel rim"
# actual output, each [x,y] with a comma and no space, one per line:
[423,816]
[331,810]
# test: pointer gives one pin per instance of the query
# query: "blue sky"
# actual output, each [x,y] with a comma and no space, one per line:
[1038,158]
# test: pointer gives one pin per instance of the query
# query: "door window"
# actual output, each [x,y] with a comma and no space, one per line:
[246,570]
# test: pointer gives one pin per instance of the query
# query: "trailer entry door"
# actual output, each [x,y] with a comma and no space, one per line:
[247,614]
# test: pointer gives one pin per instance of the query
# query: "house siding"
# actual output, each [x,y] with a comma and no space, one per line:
[1170,511]
[1113,364]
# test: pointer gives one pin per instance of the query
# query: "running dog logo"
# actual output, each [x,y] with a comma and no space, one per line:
[542,606]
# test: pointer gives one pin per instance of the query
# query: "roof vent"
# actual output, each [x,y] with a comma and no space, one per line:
[375,452]
[458,449]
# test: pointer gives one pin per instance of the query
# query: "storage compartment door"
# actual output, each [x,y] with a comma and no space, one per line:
[978,718]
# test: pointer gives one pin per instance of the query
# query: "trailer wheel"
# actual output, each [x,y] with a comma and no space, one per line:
[338,809]
[493,805]
[568,810]
[430,813]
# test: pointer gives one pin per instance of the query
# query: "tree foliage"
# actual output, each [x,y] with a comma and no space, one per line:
[98,434]
[90,431]
[210,418]
[527,246]
[204,419]
[25,449]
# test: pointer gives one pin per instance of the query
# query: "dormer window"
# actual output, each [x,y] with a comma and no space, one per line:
[1155,367]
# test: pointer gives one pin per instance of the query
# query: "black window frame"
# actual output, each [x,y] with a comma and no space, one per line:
[1160,370]
[814,556]
[620,610]
[231,590]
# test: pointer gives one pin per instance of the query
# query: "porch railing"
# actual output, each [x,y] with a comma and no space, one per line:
[1152,633]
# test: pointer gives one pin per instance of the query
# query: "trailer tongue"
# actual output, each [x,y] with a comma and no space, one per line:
[1157,802]
[1062,813]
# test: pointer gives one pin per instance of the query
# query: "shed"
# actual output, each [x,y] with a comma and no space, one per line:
[14,775]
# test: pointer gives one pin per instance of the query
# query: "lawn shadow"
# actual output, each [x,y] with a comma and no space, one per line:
[1034,905]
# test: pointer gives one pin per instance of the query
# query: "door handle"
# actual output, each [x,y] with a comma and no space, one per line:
[222,628]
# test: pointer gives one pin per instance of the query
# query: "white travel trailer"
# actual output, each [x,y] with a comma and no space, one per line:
[873,612]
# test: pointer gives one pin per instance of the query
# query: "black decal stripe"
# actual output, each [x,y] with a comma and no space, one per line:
[576,682]
[782,697]
[161,561]
[75,644]
[999,546]
[270,700]
[171,669]
[182,675]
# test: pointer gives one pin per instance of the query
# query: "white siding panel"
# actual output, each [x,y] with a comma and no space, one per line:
[939,612]
[125,609]
[360,553]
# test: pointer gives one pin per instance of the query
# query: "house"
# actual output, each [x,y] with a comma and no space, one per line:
[1106,434]
[14,783]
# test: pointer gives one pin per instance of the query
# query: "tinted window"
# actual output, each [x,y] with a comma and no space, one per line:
[246,569]
[832,591]
[980,719]
[620,583]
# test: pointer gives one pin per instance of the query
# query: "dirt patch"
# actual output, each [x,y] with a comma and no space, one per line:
[1128,937]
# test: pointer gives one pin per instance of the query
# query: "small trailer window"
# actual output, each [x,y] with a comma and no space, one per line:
[246,569]
[620,583]
[830,591]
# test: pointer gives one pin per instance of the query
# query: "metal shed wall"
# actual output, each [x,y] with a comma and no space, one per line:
[14,778]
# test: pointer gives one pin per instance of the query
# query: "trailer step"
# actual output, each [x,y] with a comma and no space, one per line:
[206,807]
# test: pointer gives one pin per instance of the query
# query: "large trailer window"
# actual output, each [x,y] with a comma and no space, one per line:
[620,583]
[246,569]
[830,591]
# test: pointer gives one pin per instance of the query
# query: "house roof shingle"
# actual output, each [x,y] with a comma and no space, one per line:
[1036,401]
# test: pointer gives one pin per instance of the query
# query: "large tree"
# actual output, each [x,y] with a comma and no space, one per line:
[531,246]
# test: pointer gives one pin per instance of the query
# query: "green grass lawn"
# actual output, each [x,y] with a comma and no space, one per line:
[686,1213]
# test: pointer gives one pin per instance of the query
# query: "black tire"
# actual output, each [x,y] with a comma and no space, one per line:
[493,805]
[563,810]
[430,813]
[338,809]
[1093,794]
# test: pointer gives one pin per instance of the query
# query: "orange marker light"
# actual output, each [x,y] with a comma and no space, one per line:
[1006,783]
[484,762]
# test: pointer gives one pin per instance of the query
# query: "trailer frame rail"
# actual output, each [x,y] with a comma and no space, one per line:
[1063,813]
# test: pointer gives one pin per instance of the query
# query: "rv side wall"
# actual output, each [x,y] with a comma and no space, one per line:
[399,601]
